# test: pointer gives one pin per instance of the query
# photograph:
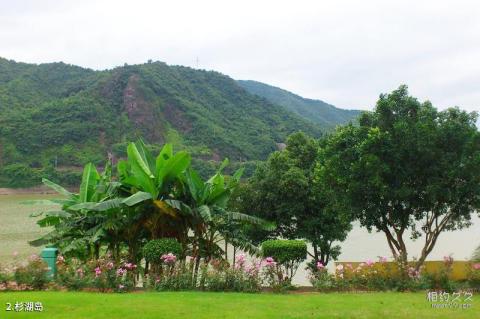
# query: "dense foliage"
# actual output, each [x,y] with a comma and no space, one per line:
[291,189]
[407,166]
[55,118]
[161,199]
[284,251]
[155,249]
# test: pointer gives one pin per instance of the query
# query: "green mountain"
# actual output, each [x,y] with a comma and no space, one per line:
[55,117]
[319,112]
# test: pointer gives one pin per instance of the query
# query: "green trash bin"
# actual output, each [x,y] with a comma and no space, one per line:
[49,255]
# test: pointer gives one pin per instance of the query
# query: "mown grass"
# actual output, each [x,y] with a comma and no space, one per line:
[231,305]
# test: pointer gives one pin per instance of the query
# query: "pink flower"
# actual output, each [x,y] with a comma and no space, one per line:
[340,268]
[476,266]
[98,271]
[383,259]
[320,266]
[369,262]
[129,266]
[349,266]
[60,259]
[270,262]
[121,272]
[169,258]
[240,261]
[110,265]
[412,273]
[121,286]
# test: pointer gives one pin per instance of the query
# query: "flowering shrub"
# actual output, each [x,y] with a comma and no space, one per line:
[103,274]
[474,275]
[274,276]
[32,275]
[321,279]
[71,275]
[155,252]
[217,275]
[242,277]
[5,278]
[441,280]
[172,276]
[367,276]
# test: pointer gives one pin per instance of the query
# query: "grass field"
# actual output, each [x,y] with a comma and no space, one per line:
[17,228]
[231,305]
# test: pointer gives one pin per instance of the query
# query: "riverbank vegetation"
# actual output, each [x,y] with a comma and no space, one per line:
[405,163]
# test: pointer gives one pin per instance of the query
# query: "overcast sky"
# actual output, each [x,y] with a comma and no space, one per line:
[342,52]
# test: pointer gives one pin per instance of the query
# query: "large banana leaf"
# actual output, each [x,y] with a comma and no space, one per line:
[146,155]
[137,198]
[135,157]
[197,188]
[165,155]
[172,168]
[204,211]
[89,183]
[59,189]
[140,174]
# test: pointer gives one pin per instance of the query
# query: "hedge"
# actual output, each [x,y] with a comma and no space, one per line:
[284,251]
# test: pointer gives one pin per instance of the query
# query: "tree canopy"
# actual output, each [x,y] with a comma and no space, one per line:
[407,166]
[291,190]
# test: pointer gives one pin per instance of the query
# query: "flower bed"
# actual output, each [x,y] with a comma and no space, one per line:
[382,275]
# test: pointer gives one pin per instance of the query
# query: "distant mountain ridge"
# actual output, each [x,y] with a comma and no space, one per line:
[317,111]
[56,117]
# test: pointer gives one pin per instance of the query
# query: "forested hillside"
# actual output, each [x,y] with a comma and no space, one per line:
[55,117]
[324,114]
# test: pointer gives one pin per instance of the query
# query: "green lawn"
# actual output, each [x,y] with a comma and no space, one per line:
[231,305]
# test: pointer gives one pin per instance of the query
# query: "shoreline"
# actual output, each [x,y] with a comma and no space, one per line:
[37,190]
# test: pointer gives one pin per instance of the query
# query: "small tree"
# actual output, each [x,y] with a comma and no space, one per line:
[290,189]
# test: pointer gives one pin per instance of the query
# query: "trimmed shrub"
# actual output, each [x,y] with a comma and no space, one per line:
[155,249]
[285,251]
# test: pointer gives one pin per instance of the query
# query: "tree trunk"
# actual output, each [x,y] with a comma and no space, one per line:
[226,249]
[195,270]
[234,255]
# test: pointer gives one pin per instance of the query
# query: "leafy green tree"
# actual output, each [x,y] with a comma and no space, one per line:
[290,189]
[406,167]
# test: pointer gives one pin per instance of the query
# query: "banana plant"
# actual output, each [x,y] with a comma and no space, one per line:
[206,203]
[145,185]
[76,229]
